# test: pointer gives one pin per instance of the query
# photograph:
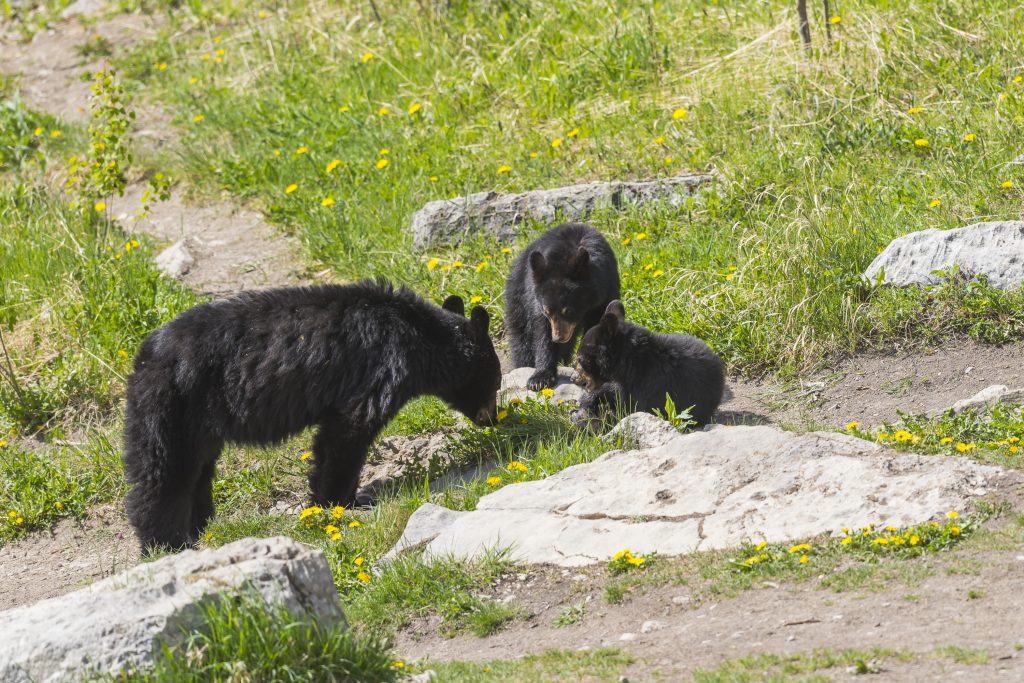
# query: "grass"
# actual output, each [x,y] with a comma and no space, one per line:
[797,667]
[605,664]
[818,153]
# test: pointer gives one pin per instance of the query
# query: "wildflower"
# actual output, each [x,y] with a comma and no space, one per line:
[475,299]
[343,109]
[952,514]
[367,56]
[38,132]
[1006,184]
[933,203]
[193,80]
[622,554]
[637,560]
[198,118]
[59,506]
[658,273]
[205,56]
[99,206]
[847,541]
[219,52]
[504,168]
[12,514]
[881,541]
[533,155]
[573,133]
[970,137]
[383,111]
[398,664]
[835,19]
[640,236]
[846,530]
[798,548]
[457,264]
[506,250]
[962,447]
[1012,450]
[432,263]
[493,481]
[354,524]
[433,179]
[337,512]
[954,530]
[330,529]
[850,426]
[263,14]
[761,546]
[291,188]
[804,559]
[729,276]
[548,392]
[915,540]
[363,576]
[516,466]
[902,436]
[336,537]
[751,561]
[921,142]
[946,439]
[382,163]
[277,152]
[161,66]
[480,266]
[414,107]
[679,114]
[332,164]
[1003,96]
[309,512]
[556,143]
[384,151]
[1018,79]
[19,520]
[915,110]
[54,133]
[899,540]
[668,160]
[502,414]
[327,201]
[626,241]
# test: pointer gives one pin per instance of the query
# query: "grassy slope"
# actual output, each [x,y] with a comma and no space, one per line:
[819,154]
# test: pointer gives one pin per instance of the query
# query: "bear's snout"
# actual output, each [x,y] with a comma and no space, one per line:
[561,329]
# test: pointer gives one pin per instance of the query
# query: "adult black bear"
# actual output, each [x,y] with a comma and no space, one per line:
[557,289]
[263,366]
[625,365]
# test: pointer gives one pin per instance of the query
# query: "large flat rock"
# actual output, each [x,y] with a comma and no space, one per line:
[994,249]
[118,623]
[500,215]
[704,490]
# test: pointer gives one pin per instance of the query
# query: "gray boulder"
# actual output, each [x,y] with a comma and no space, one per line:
[176,260]
[513,386]
[705,490]
[645,429]
[500,215]
[119,623]
[986,398]
[994,249]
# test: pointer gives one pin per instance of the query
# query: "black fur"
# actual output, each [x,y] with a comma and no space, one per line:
[262,366]
[564,279]
[625,365]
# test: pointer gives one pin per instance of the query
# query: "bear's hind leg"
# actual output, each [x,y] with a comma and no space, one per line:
[339,450]
[202,495]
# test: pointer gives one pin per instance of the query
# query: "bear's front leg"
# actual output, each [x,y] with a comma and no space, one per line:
[339,451]
[545,352]
[609,398]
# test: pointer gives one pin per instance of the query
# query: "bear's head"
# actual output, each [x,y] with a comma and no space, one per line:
[474,393]
[564,286]
[601,348]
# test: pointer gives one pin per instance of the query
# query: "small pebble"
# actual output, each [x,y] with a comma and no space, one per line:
[651,625]
[627,637]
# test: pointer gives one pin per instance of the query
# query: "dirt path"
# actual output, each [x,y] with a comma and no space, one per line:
[230,248]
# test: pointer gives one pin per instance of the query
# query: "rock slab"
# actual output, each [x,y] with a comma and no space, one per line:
[701,491]
[500,215]
[513,386]
[118,623]
[995,250]
[986,398]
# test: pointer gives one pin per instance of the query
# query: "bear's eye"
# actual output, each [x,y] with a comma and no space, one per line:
[547,311]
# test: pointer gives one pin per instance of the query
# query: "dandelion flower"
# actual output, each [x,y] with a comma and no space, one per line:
[336,537]
[343,109]
[383,111]
[952,514]
[729,276]
[954,531]
[850,426]
[946,439]
[921,142]
[382,163]
[432,263]
[475,299]
[363,576]
[457,264]
[502,414]
[761,546]
[902,436]
[367,56]
[354,524]
[835,19]
[658,273]
[516,466]
[933,203]
[38,131]
[915,540]
[668,160]
[970,137]
[556,143]
[626,241]
[291,188]
[433,179]
[679,114]
[798,548]
[533,155]
[277,152]
[573,133]
[302,149]
[640,236]
[337,512]
[99,206]
[219,52]
[332,164]
[414,107]
[161,66]
[659,140]
[504,168]
[506,250]
[198,118]
[327,201]
[384,151]
[847,541]
[54,133]
[804,559]
[915,110]
[1018,79]
[193,80]
[330,529]
[547,391]
[964,447]
[493,481]
[263,14]
[1006,184]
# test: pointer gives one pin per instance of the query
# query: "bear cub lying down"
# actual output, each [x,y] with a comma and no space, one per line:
[263,366]
[557,288]
[622,364]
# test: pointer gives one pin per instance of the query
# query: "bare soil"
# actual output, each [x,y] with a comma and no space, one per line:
[233,247]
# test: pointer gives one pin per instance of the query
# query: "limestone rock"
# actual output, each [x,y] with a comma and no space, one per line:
[513,386]
[645,429]
[398,459]
[119,622]
[994,249]
[705,490]
[85,8]
[176,260]
[986,398]
[500,215]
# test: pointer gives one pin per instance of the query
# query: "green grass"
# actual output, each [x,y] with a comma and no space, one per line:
[804,667]
[605,664]
[818,153]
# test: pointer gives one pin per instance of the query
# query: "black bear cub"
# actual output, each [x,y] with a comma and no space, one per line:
[625,365]
[262,366]
[558,287]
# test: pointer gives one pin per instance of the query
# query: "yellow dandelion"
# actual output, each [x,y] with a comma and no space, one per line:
[502,414]
[198,118]
[493,481]
[336,537]
[804,559]
[933,203]
[556,143]
[354,524]
[921,142]
[54,133]
[506,250]
[480,266]
[729,276]
[38,131]
[915,540]
[384,151]
[902,436]
[1006,184]
[954,531]
[835,19]
[547,391]
[573,133]
[338,512]
[193,80]
[915,110]
[432,263]
[1003,97]
[263,14]
[161,66]
[659,140]
[327,201]
[363,576]
[1018,79]
[658,273]
[332,164]
[952,514]
[205,56]
[220,52]
[59,506]
[946,439]
[668,160]
[457,264]
[881,541]
[277,152]
[359,561]
[432,178]
[414,107]
[798,548]
[122,354]
[970,137]
[761,546]
[533,155]
[847,541]
[382,163]
[99,206]
[383,111]
[640,236]
[291,188]
[367,56]
[516,466]
[626,241]
[398,664]
[850,426]
[343,109]
[302,149]
[679,114]
[330,529]
[1013,450]
[475,299]
[962,447]
[504,168]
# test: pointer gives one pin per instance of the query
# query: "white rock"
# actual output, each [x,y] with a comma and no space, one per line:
[425,677]
[627,637]
[651,625]
[513,386]
[84,8]
[986,398]
[118,622]
[645,429]
[501,215]
[701,491]
[176,260]
[994,249]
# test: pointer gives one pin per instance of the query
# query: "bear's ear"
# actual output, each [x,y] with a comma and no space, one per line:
[613,317]
[455,305]
[479,321]
[538,264]
[579,263]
